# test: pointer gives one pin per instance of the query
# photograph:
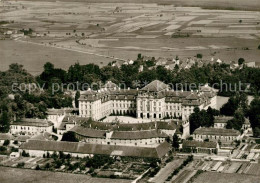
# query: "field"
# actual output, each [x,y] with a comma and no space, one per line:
[209,177]
[11,175]
[65,32]
[33,57]
[220,4]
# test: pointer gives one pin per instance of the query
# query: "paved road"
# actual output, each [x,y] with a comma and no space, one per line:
[184,176]
[166,171]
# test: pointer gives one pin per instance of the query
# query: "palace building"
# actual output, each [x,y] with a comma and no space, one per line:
[155,101]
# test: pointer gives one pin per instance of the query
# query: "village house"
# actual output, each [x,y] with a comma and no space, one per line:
[31,126]
[37,148]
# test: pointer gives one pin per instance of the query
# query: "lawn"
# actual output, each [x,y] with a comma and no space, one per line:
[209,177]
[13,175]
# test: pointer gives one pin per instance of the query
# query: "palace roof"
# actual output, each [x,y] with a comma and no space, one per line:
[162,89]
[155,86]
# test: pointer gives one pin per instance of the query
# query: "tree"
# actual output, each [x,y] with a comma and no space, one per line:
[48,67]
[139,56]
[37,167]
[6,142]
[69,136]
[240,21]
[77,95]
[47,166]
[199,55]
[54,155]
[230,107]
[4,122]
[257,132]
[241,61]
[16,68]
[175,142]
[48,155]
[254,116]
[61,155]
[24,154]
[259,47]
[202,118]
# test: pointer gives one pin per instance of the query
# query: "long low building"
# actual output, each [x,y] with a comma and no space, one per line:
[135,134]
[39,148]
[31,126]
[200,147]
[216,134]
[126,138]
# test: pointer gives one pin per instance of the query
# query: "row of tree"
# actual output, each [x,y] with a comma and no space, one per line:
[225,79]
[237,107]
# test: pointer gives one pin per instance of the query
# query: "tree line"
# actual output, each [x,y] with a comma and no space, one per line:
[237,107]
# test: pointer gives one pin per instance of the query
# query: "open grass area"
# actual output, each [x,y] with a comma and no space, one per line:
[220,4]
[209,177]
[12,175]
[33,57]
